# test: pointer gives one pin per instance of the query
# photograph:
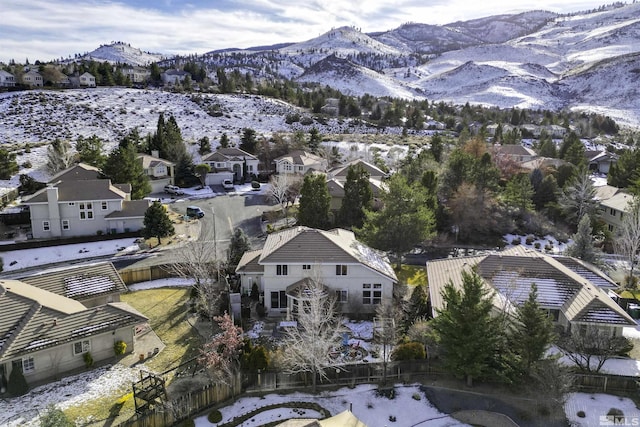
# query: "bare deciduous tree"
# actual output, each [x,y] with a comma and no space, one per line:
[591,348]
[59,156]
[283,190]
[196,261]
[306,348]
[627,242]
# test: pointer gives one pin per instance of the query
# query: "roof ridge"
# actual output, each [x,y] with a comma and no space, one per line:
[17,328]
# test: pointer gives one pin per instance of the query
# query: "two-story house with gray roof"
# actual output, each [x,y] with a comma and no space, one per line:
[614,203]
[300,162]
[76,202]
[574,293]
[46,335]
[337,177]
[358,276]
[161,172]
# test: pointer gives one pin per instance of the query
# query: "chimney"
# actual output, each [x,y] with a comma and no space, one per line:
[155,153]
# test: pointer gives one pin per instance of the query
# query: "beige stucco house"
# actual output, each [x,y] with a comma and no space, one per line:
[358,276]
[574,293]
[300,162]
[47,334]
[161,172]
[337,177]
[230,163]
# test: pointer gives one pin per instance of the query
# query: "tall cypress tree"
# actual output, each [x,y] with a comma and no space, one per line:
[123,167]
[314,202]
[357,197]
[469,334]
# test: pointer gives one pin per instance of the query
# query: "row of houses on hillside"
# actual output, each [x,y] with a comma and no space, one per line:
[32,78]
[51,320]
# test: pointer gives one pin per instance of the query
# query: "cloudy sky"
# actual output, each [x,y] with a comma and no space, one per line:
[50,29]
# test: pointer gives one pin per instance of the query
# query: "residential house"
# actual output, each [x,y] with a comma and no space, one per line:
[47,335]
[77,202]
[174,77]
[614,203]
[32,78]
[337,177]
[573,292]
[516,152]
[360,277]
[230,163]
[331,107]
[87,80]
[600,161]
[91,284]
[556,131]
[136,74]
[300,162]
[160,171]
[7,79]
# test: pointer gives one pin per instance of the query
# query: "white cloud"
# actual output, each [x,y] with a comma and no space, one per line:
[49,29]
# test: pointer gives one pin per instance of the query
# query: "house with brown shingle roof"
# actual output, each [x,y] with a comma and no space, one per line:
[358,276]
[337,177]
[574,293]
[47,335]
[76,202]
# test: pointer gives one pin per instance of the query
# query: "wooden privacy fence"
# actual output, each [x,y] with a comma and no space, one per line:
[185,406]
[605,383]
[144,274]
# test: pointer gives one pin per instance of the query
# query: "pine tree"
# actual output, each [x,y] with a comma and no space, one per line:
[90,151]
[468,332]
[314,140]
[404,220]
[224,141]
[123,167]
[204,146]
[314,202]
[157,222]
[238,246]
[582,247]
[248,141]
[533,331]
[357,197]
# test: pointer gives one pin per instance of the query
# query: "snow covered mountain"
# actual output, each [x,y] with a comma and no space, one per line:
[123,53]
[530,60]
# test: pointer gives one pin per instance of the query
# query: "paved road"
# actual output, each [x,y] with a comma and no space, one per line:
[223,214]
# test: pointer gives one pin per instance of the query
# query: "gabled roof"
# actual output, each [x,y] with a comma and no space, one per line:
[249,263]
[89,190]
[341,171]
[300,157]
[229,153]
[81,282]
[560,284]
[619,201]
[131,209]
[150,161]
[79,172]
[33,319]
[312,246]
[515,150]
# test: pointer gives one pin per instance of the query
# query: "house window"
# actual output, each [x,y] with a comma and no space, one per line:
[341,270]
[278,299]
[103,205]
[72,203]
[306,266]
[621,215]
[610,227]
[287,167]
[612,212]
[65,224]
[81,347]
[282,270]
[46,225]
[341,296]
[86,210]
[28,365]
[371,294]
